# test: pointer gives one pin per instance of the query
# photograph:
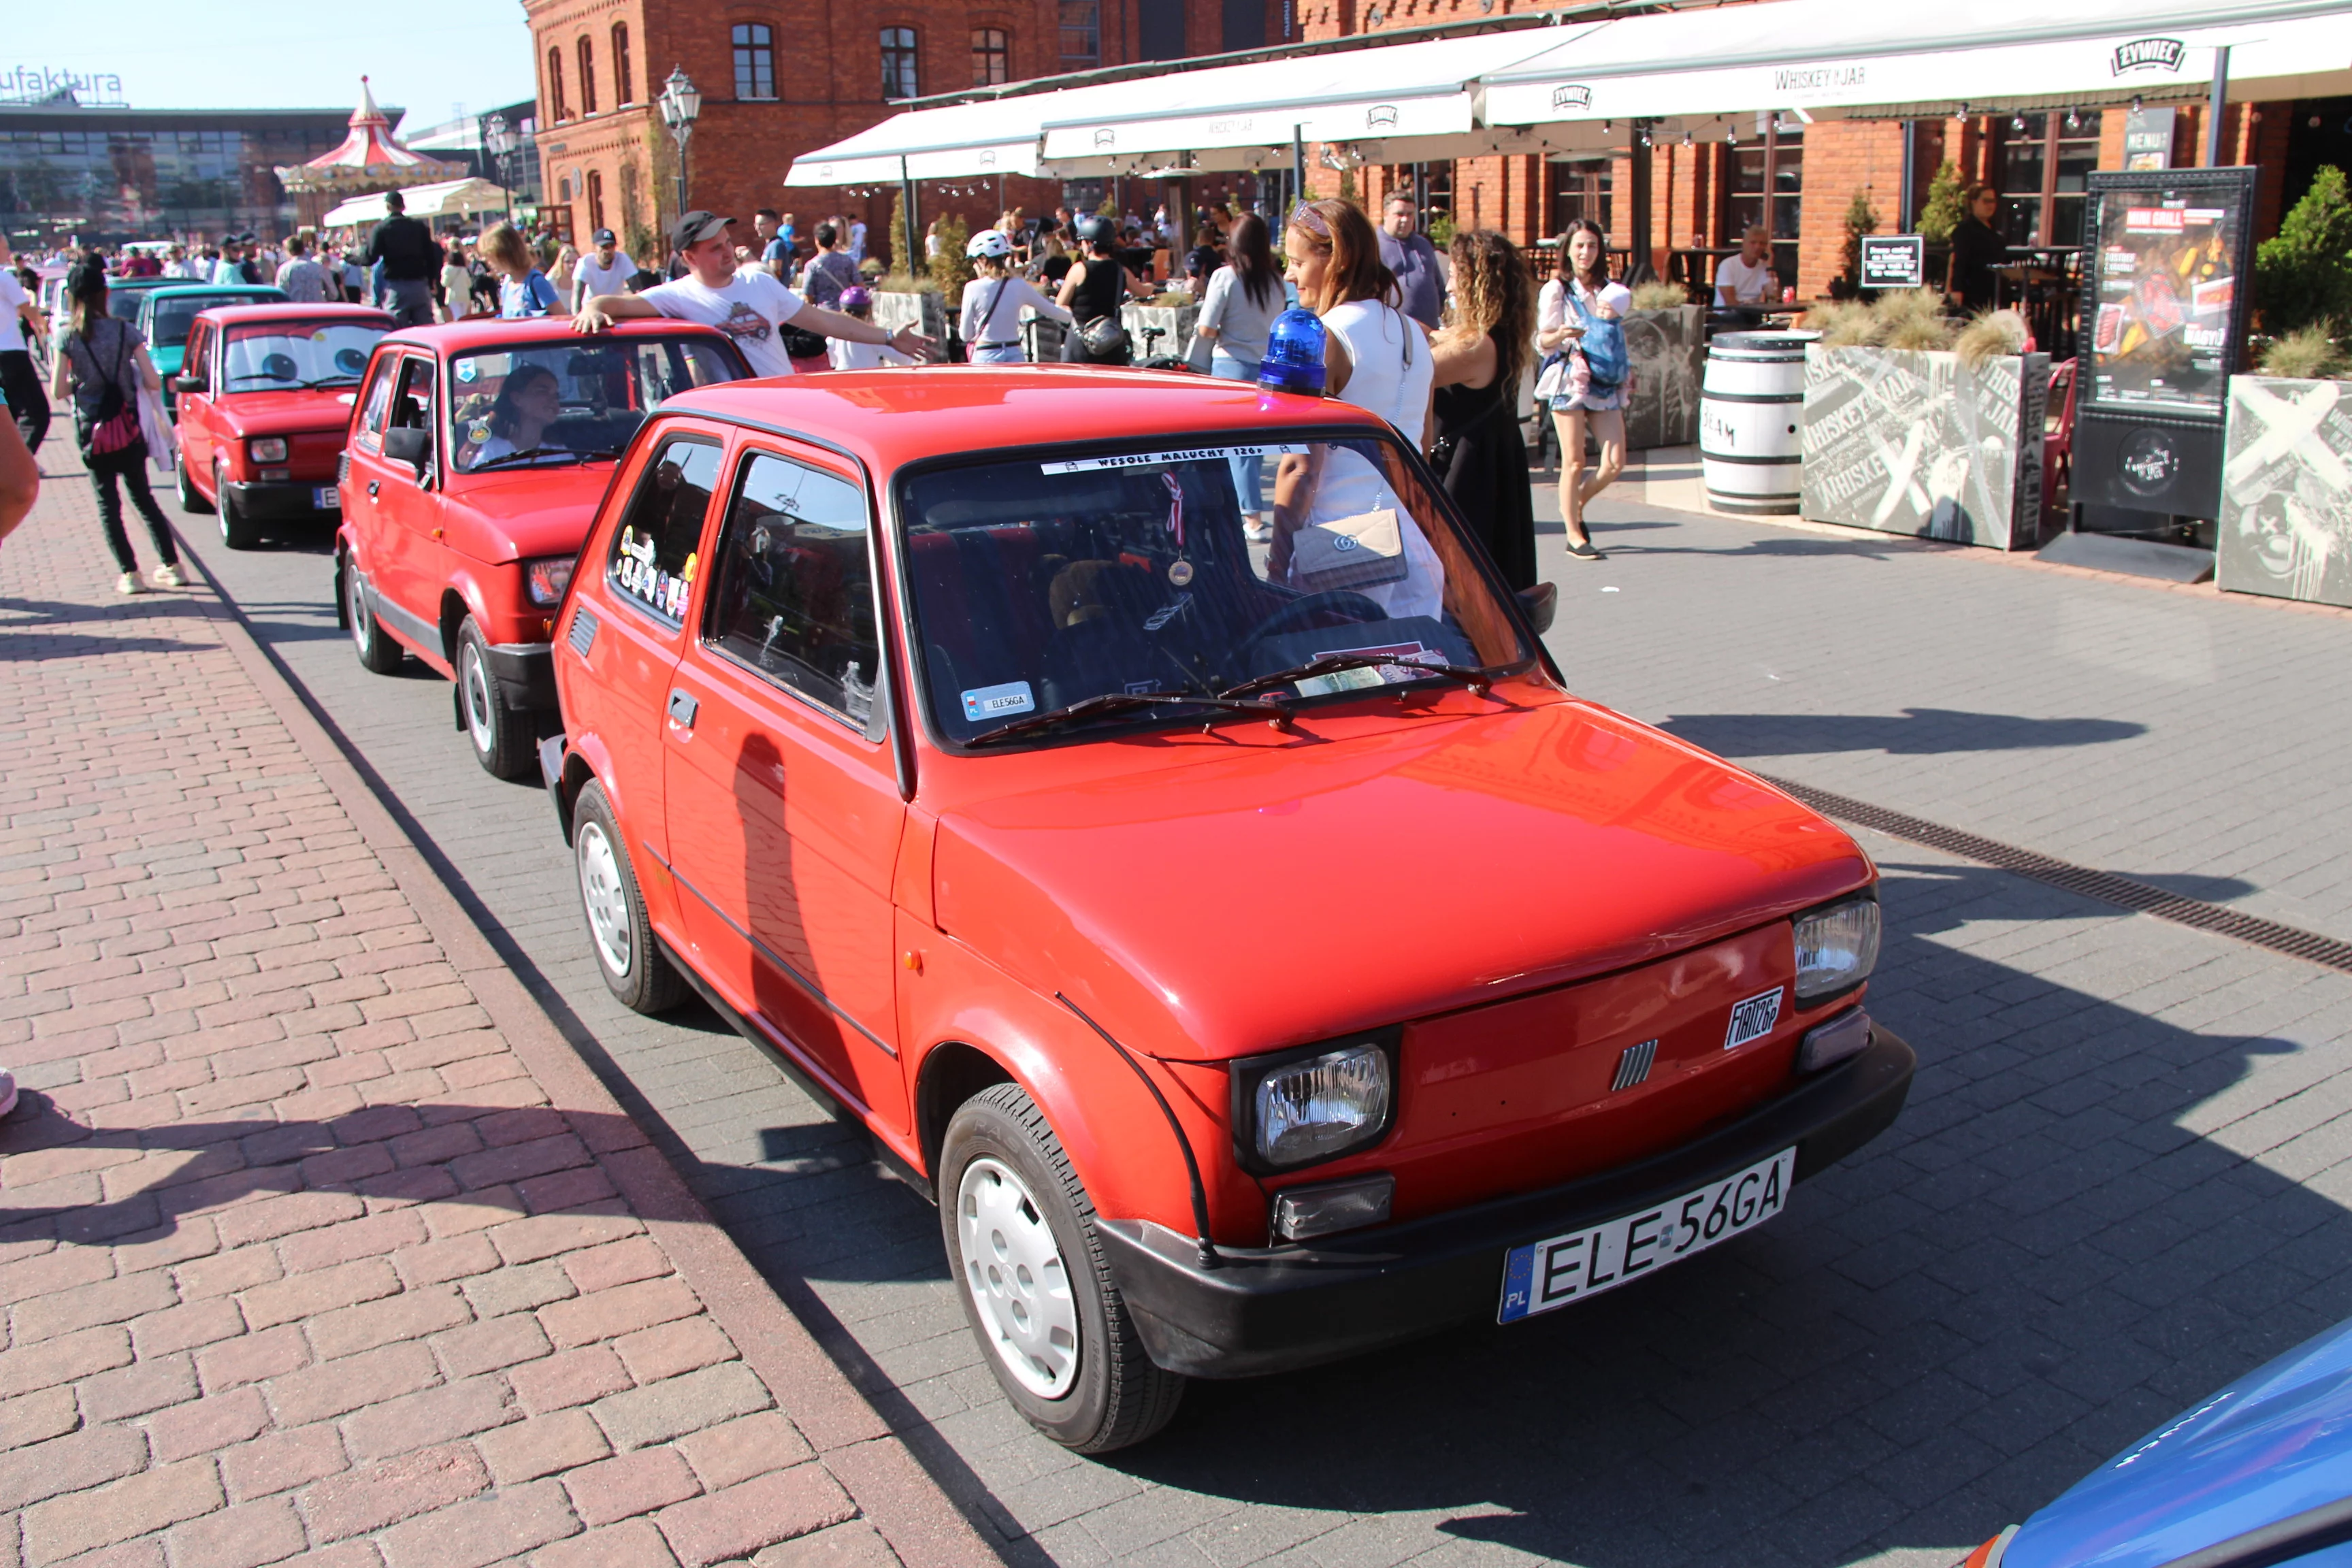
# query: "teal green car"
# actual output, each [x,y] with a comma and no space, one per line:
[167,315]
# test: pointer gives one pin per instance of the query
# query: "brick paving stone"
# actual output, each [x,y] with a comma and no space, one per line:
[290,1209]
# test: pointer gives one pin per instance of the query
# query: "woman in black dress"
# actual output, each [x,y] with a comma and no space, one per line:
[1481,353]
[1977,249]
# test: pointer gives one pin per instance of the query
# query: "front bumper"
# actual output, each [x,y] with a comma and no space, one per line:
[1273,1308]
[281,501]
[525,672]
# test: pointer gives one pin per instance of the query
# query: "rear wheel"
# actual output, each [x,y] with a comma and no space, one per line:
[502,738]
[635,968]
[192,500]
[378,653]
[236,529]
[1036,1288]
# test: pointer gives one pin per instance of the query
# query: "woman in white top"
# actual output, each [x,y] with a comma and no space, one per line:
[993,301]
[1377,358]
[1244,297]
[1581,288]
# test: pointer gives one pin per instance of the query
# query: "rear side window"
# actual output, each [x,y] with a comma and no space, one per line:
[654,561]
[795,594]
[379,400]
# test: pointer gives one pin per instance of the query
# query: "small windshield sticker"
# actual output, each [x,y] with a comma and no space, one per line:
[1158,459]
[1408,653]
[466,371]
[997,701]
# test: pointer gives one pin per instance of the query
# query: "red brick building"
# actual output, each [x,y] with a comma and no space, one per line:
[781,77]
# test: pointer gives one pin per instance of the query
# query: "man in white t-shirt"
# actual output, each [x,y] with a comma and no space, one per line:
[604,271]
[1747,279]
[749,305]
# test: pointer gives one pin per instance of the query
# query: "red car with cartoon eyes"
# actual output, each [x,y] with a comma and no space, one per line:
[1257,950]
[475,456]
[264,394]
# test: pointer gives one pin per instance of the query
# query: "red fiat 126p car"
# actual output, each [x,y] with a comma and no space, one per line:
[1258,951]
[473,464]
[265,395]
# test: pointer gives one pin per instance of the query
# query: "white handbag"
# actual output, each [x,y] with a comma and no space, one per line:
[1349,552]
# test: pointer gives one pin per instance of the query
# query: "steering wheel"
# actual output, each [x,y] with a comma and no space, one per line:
[1295,616]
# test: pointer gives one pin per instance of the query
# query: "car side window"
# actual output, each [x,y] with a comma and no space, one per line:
[795,590]
[653,554]
[379,401]
[199,345]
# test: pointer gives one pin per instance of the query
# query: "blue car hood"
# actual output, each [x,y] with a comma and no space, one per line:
[2271,1445]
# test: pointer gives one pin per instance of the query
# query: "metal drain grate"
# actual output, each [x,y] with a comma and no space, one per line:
[2105,885]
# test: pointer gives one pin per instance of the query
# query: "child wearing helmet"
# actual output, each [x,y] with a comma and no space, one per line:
[993,301]
[858,301]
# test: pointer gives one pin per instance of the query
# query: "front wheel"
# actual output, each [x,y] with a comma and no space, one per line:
[237,530]
[635,970]
[379,653]
[1036,1288]
[192,500]
[502,738]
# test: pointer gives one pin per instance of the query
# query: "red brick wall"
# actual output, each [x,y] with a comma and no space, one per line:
[1842,156]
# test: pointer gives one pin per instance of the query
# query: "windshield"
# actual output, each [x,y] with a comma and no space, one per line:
[125,295]
[297,353]
[1044,583]
[174,319]
[571,397]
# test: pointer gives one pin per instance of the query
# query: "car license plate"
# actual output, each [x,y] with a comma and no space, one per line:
[1543,1275]
[327,498]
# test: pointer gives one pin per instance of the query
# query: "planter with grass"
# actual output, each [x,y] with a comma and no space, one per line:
[1665,335]
[2287,482]
[918,303]
[1912,428]
[1172,316]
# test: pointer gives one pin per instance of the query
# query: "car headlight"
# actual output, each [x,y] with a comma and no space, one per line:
[1297,1110]
[546,578]
[1837,947]
[268,449]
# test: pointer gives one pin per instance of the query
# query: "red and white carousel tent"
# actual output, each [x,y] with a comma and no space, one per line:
[369,159]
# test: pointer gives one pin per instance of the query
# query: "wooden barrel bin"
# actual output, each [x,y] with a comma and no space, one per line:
[1750,408]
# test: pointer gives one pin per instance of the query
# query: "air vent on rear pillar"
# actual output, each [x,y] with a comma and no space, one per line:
[583,631]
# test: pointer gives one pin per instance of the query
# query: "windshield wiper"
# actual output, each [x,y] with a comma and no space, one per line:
[577,453]
[1478,680]
[1118,701]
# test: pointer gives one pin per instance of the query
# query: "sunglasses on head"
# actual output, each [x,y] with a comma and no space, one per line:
[1304,215]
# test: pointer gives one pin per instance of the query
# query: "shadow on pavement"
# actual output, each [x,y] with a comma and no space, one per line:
[1915,731]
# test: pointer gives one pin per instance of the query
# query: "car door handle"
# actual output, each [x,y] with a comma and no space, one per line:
[682,710]
[371,485]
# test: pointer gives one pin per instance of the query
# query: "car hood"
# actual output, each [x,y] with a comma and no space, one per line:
[1265,897]
[284,413]
[2268,1446]
[526,512]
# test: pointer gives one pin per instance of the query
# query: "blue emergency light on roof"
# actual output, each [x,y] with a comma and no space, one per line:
[1294,353]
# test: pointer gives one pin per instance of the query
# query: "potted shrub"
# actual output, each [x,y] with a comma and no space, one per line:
[2286,486]
[1911,426]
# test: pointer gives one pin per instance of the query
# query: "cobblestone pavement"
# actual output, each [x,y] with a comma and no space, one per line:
[2120,1180]
[314,1236]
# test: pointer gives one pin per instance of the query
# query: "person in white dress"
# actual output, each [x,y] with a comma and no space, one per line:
[993,301]
[858,301]
[1582,291]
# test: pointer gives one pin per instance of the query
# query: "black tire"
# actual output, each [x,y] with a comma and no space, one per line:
[237,530]
[192,500]
[502,737]
[1114,1394]
[378,653]
[635,970]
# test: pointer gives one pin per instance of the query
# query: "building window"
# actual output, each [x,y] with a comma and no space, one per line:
[1748,192]
[556,108]
[1583,189]
[991,55]
[595,200]
[620,72]
[1159,29]
[898,63]
[587,77]
[2042,161]
[1081,33]
[755,60]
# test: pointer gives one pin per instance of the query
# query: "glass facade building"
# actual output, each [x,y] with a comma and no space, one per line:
[105,176]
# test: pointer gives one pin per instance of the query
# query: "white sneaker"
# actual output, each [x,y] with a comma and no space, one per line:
[168,576]
[128,584]
[7,1092]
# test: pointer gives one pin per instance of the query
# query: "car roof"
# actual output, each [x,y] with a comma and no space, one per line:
[889,419]
[184,290]
[455,337]
[246,315]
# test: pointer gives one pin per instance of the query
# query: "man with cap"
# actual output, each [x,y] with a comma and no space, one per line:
[604,271]
[747,304]
[411,261]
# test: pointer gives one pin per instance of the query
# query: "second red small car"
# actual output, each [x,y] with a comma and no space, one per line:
[473,468]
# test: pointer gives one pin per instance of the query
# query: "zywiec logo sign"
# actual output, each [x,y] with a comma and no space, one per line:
[1106,138]
[988,158]
[2149,55]
[1574,95]
[1380,117]
[2149,462]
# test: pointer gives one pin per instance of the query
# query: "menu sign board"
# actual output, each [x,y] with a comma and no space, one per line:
[2164,286]
[1894,261]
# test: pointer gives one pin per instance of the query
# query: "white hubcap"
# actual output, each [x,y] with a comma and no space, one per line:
[600,889]
[362,629]
[1014,1272]
[480,722]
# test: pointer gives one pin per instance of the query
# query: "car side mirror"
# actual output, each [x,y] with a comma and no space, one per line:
[187,383]
[1539,604]
[407,444]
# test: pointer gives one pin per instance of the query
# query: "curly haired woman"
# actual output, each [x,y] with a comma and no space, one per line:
[1481,351]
